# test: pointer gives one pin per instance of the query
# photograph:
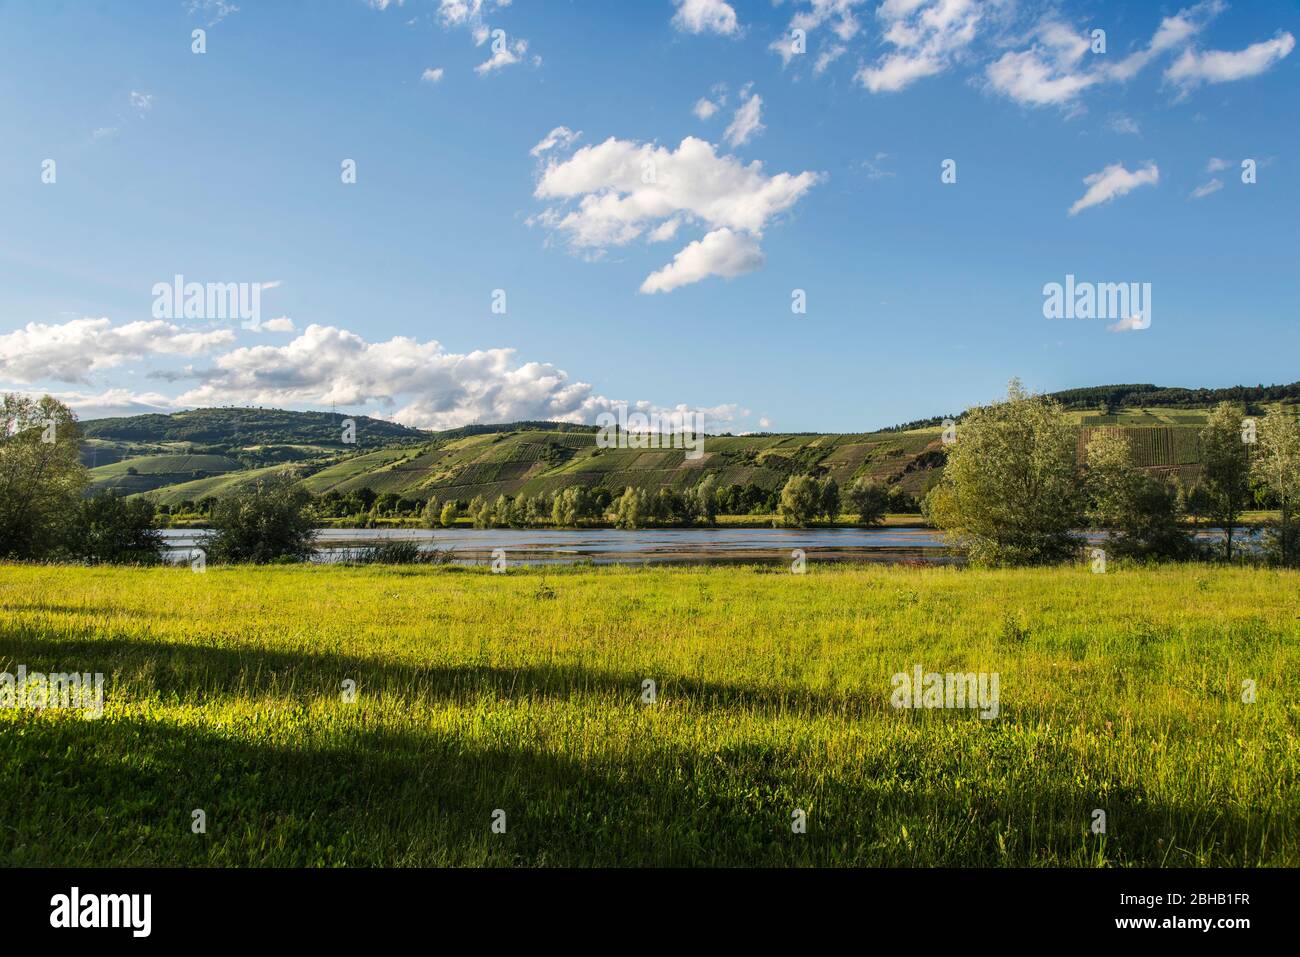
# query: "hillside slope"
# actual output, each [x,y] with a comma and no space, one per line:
[189,456]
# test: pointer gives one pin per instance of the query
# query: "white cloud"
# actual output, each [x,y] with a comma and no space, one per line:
[142,103]
[213,11]
[705,16]
[614,192]
[432,75]
[1219,66]
[926,35]
[559,138]
[812,15]
[1205,189]
[1123,123]
[1058,66]
[1048,72]
[417,383]
[505,52]
[704,108]
[73,350]
[747,123]
[473,15]
[720,253]
[279,324]
[1216,165]
[1131,323]
[1112,182]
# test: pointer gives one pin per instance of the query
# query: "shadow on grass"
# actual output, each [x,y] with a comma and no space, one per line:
[122,792]
[197,672]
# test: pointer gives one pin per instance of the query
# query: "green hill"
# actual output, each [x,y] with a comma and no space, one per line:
[188,456]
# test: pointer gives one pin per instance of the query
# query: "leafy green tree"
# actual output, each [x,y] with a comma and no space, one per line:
[504,513]
[828,495]
[1276,467]
[431,512]
[448,516]
[1139,512]
[268,522]
[116,531]
[705,500]
[1226,458]
[801,500]
[631,508]
[41,475]
[1010,489]
[869,500]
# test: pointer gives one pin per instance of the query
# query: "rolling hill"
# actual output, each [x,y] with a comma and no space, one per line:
[204,453]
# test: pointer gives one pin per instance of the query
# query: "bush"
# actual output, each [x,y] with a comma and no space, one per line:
[115,531]
[396,553]
[269,522]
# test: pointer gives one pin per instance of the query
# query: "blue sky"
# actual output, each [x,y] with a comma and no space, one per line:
[518,161]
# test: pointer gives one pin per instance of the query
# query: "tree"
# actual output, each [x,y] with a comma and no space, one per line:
[1226,457]
[800,500]
[1010,490]
[448,516]
[429,514]
[267,522]
[829,498]
[705,499]
[116,531]
[1140,512]
[869,500]
[1276,467]
[41,475]
[631,508]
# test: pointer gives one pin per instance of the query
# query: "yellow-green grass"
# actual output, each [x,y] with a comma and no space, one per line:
[523,692]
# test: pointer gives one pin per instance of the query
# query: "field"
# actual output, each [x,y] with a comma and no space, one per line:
[523,692]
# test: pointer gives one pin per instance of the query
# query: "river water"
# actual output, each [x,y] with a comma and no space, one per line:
[604,546]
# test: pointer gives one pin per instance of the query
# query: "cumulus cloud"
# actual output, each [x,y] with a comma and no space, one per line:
[1048,72]
[927,35]
[720,253]
[704,108]
[417,383]
[432,75]
[705,16]
[1112,182]
[1195,67]
[747,122]
[279,324]
[72,351]
[612,193]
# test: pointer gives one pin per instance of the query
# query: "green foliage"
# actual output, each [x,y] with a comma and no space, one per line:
[801,500]
[115,531]
[41,475]
[869,500]
[1227,468]
[1276,469]
[269,522]
[1010,491]
[1140,511]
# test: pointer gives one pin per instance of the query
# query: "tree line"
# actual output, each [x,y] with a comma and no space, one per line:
[1013,491]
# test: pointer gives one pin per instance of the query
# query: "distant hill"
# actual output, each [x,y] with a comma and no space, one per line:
[245,427]
[188,456]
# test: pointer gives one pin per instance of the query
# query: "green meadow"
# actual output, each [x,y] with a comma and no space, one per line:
[525,692]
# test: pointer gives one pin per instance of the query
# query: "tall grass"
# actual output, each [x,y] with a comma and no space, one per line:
[524,692]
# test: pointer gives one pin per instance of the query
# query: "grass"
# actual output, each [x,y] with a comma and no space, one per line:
[523,692]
